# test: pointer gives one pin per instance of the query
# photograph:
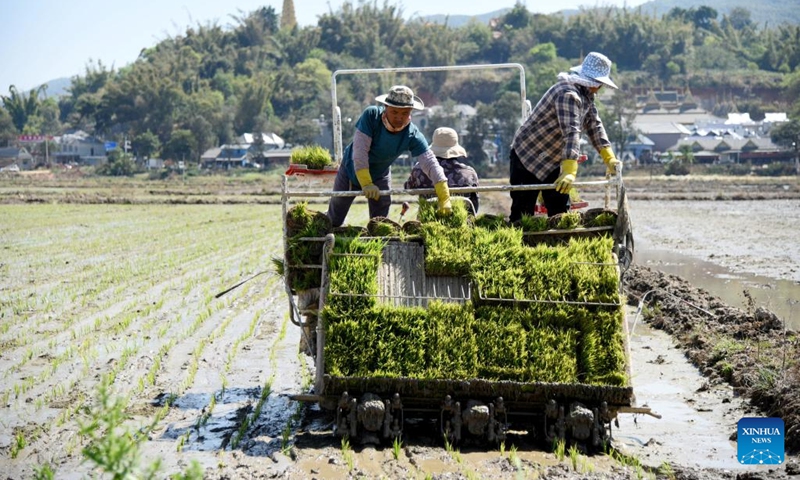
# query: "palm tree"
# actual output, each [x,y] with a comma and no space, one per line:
[20,106]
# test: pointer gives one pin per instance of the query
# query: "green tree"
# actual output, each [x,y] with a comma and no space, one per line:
[119,164]
[787,135]
[479,127]
[85,96]
[253,103]
[301,130]
[145,144]
[22,107]
[182,145]
[8,132]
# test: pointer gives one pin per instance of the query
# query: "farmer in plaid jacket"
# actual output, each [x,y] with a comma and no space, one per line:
[546,147]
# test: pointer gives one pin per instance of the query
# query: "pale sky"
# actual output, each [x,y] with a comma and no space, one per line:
[42,40]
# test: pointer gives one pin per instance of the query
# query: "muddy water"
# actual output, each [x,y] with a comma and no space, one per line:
[779,296]
[696,422]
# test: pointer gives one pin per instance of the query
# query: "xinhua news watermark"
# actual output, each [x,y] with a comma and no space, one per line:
[760,441]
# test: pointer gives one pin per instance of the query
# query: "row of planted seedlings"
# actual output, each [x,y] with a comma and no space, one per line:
[94,346]
[540,312]
[138,266]
[85,339]
[92,282]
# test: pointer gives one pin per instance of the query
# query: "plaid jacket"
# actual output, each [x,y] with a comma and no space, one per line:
[552,132]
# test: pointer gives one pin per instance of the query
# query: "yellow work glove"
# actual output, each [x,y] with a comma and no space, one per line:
[612,164]
[569,169]
[370,190]
[444,197]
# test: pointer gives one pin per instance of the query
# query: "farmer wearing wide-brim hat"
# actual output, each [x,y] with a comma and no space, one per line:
[383,133]
[451,156]
[546,147]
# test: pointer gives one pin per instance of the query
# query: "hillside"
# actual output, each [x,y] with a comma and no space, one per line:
[766,13]
[456,21]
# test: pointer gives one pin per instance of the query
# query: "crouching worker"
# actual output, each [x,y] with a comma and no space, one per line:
[382,134]
[449,155]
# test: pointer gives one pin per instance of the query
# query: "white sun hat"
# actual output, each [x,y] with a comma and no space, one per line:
[597,67]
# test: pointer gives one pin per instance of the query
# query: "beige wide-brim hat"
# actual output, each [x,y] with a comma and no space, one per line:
[445,144]
[400,96]
[597,67]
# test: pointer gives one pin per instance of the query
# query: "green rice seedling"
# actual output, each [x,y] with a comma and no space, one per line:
[285,434]
[428,212]
[454,453]
[312,156]
[587,466]
[503,448]
[193,472]
[552,355]
[605,219]
[667,471]
[110,446]
[354,270]
[182,441]
[490,222]
[397,447]
[44,472]
[568,221]
[278,266]
[513,458]
[447,249]
[18,444]
[559,449]
[533,223]
[347,453]
[383,227]
[573,457]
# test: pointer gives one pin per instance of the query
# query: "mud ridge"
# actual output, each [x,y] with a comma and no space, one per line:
[751,350]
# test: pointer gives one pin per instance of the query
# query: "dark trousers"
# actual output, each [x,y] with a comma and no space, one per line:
[339,206]
[523,202]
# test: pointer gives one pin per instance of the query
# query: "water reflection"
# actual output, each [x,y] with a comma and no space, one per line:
[778,296]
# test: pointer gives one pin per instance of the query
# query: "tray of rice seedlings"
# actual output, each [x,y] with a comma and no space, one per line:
[490,222]
[428,213]
[352,273]
[305,232]
[349,231]
[412,227]
[383,227]
[448,250]
[565,221]
[545,322]
[312,157]
[599,217]
[532,223]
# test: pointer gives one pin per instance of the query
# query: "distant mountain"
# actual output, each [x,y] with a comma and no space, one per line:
[770,13]
[58,87]
[456,21]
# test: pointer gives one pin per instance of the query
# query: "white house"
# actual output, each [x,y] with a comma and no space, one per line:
[18,156]
[81,148]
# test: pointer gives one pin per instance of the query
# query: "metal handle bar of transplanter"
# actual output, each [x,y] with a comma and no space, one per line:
[615,181]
